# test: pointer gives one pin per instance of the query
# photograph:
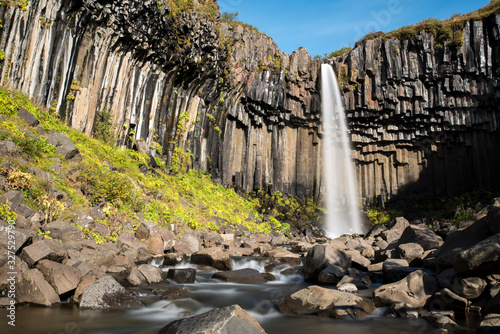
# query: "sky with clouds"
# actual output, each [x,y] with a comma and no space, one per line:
[323,26]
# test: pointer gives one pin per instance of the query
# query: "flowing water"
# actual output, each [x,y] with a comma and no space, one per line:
[342,201]
[204,295]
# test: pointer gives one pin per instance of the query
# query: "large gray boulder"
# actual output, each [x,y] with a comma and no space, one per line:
[28,117]
[230,319]
[64,146]
[422,235]
[61,277]
[483,258]
[106,293]
[315,299]
[32,288]
[319,257]
[415,290]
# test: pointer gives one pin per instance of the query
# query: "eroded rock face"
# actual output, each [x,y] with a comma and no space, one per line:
[230,319]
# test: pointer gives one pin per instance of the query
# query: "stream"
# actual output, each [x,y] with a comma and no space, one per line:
[203,296]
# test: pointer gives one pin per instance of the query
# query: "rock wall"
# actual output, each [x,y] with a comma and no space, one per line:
[423,121]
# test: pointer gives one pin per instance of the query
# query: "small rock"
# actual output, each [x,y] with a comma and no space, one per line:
[182,276]
[470,287]
[446,323]
[64,146]
[172,293]
[348,287]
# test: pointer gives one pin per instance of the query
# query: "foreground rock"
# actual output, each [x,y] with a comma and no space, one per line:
[106,293]
[415,290]
[214,257]
[483,258]
[334,303]
[244,276]
[490,324]
[230,319]
[32,288]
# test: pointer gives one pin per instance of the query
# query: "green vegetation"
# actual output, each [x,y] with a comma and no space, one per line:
[338,53]
[103,128]
[232,20]
[207,8]
[189,199]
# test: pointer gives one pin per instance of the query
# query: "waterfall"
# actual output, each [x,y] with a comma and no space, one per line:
[342,201]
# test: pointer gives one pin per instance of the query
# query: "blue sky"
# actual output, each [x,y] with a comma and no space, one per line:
[329,25]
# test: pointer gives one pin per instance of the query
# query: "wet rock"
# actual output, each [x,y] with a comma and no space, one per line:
[446,323]
[243,276]
[490,324]
[421,235]
[396,269]
[151,273]
[347,287]
[401,310]
[172,259]
[470,287]
[28,117]
[64,146]
[315,299]
[32,288]
[182,276]
[318,258]
[415,289]
[214,257]
[106,293]
[172,293]
[483,258]
[230,319]
[280,256]
[63,278]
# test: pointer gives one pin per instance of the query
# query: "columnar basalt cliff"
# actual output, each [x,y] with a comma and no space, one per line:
[423,120]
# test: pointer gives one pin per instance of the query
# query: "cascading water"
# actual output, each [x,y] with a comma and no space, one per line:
[341,196]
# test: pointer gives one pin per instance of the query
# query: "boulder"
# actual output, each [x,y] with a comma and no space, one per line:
[156,244]
[459,241]
[358,244]
[21,237]
[315,299]
[8,148]
[445,299]
[470,287]
[13,198]
[182,276]
[415,289]
[146,230]
[230,319]
[347,287]
[106,293]
[446,323]
[214,257]
[278,256]
[358,261]
[490,324]
[172,259]
[19,267]
[446,278]
[243,276]
[318,258]
[136,278]
[28,117]
[63,278]
[483,258]
[332,274]
[422,235]
[410,252]
[64,231]
[128,241]
[39,251]
[192,241]
[32,288]
[151,273]
[395,270]
[396,228]
[64,146]
[493,305]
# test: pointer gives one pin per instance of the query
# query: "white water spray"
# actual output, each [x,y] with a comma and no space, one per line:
[342,207]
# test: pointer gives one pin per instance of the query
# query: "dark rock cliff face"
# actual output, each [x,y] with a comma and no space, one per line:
[422,120]
[425,121]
